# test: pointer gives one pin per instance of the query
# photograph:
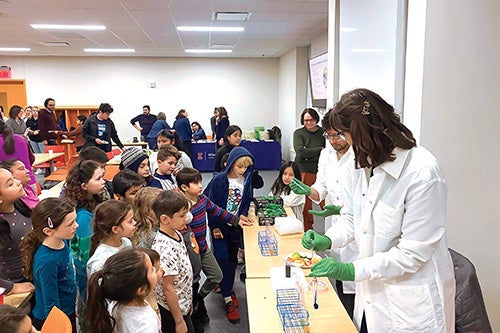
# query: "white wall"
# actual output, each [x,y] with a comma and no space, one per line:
[248,88]
[460,125]
[292,95]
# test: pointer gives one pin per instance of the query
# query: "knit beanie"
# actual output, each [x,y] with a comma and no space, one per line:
[132,158]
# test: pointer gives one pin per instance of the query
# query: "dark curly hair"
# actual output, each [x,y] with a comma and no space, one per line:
[81,173]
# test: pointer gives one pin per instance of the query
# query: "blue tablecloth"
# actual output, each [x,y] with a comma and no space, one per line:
[267,154]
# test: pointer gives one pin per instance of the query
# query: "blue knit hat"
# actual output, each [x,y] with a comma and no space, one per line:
[132,158]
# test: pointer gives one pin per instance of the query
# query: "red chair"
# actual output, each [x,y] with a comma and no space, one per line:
[116,151]
[59,162]
[110,155]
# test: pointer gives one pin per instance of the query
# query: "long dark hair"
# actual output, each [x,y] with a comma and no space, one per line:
[8,138]
[81,173]
[119,279]
[181,114]
[229,131]
[48,213]
[14,111]
[107,215]
[279,187]
[374,126]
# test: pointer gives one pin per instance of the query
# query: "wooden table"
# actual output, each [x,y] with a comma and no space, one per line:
[261,299]
[18,300]
[258,266]
[46,157]
[142,144]
[263,315]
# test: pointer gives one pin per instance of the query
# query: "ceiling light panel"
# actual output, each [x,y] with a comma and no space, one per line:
[15,49]
[67,27]
[207,51]
[211,29]
[109,50]
[231,16]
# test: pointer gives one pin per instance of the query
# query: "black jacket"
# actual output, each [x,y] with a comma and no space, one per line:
[90,133]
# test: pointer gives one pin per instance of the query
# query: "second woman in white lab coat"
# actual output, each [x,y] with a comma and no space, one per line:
[395,211]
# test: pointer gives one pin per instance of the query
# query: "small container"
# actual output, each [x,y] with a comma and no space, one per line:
[287,269]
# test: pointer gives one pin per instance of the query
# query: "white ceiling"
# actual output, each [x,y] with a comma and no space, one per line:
[149,26]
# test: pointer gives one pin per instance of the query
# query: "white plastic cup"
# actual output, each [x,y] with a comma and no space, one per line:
[51,152]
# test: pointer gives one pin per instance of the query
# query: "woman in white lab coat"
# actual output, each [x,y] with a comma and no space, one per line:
[395,211]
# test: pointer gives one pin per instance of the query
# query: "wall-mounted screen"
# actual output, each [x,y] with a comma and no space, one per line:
[318,75]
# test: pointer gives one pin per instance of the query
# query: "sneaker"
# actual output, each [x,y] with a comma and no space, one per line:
[233,315]
[235,301]
[201,314]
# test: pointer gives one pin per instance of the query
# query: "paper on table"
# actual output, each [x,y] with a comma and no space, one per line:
[280,281]
[288,225]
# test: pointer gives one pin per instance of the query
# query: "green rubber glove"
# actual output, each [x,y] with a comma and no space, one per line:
[314,241]
[299,187]
[332,268]
[327,211]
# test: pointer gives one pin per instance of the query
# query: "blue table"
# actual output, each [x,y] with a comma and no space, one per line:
[203,155]
[267,154]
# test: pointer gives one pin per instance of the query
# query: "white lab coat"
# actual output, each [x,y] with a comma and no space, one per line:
[329,184]
[404,274]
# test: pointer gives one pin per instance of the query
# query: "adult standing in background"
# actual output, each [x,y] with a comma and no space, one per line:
[15,121]
[145,120]
[99,129]
[47,122]
[395,211]
[159,125]
[182,127]
[222,125]
[329,186]
[34,139]
[213,122]
[308,141]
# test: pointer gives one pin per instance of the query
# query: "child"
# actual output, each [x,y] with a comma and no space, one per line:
[155,261]
[48,260]
[126,279]
[232,190]
[99,156]
[189,181]
[135,159]
[15,222]
[167,161]
[21,173]
[113,223]
[146,222]
[174,292]
[76,134]
[281,187]
[168,138]
[15,320]
[126,184]
[84,186]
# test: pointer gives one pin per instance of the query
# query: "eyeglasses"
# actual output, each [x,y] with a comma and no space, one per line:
[339,135]
[309,120]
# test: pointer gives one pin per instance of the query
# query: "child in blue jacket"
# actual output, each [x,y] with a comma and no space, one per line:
[232,190]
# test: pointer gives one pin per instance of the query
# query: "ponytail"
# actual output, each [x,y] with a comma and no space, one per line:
[98,319]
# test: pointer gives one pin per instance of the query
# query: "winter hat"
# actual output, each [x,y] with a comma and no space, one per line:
[132,158]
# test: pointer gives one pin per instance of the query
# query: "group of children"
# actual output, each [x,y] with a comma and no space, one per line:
[133,263]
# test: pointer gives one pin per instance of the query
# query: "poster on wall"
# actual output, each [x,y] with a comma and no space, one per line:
[318,69]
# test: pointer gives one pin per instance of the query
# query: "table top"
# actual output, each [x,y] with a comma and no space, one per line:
[263,315]
[45,157]
[18,300]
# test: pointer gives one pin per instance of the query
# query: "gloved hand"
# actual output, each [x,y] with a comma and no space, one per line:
[332,268]
[314,241]
[299,187]
[327,211]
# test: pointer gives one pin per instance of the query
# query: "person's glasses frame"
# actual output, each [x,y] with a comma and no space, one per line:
[339,135]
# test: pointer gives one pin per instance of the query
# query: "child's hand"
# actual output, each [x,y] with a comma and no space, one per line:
[245,221]
[217,233]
